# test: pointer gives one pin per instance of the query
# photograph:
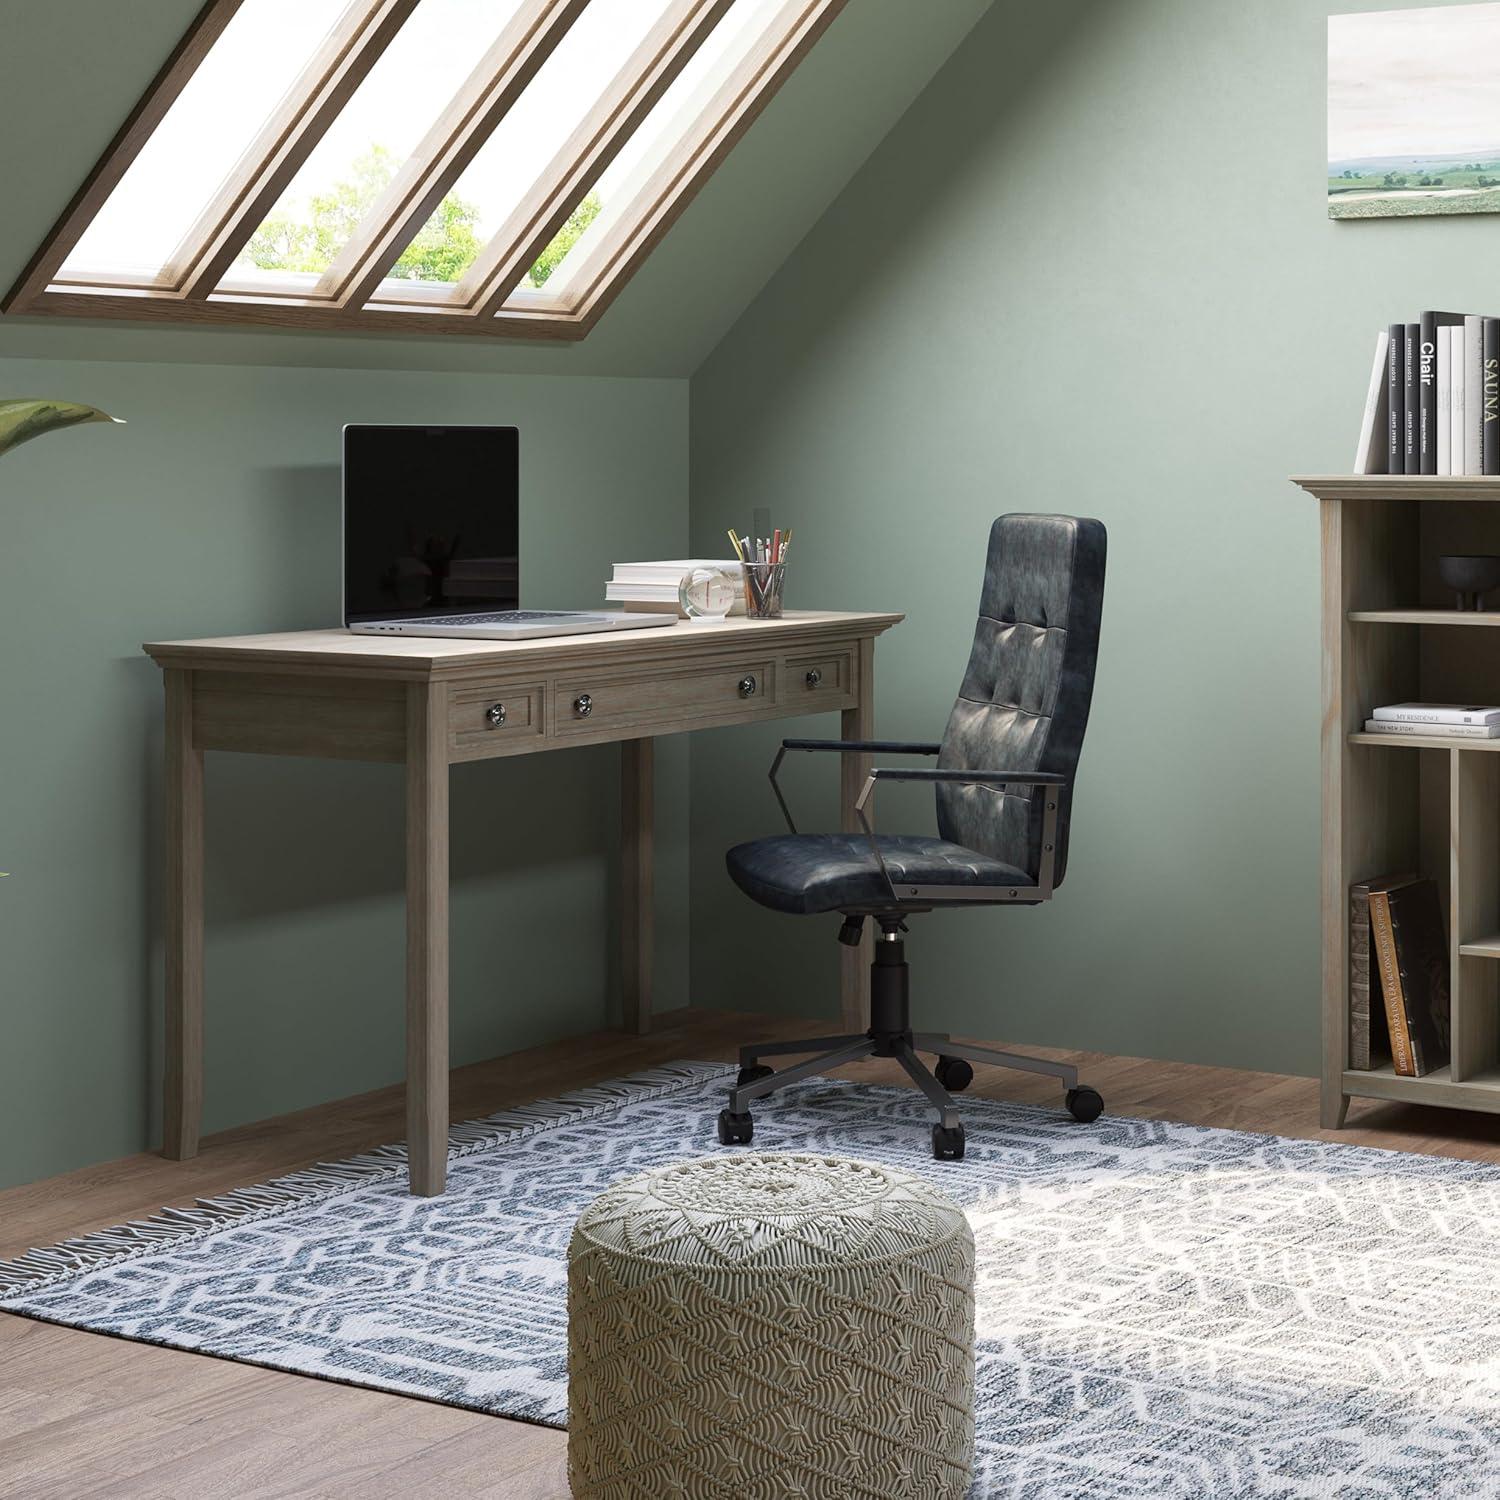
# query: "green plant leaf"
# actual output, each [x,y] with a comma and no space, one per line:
[27,417]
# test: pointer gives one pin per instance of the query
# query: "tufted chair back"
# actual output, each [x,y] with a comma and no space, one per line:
[1024,702]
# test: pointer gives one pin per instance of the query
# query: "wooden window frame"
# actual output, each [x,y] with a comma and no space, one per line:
[196,287]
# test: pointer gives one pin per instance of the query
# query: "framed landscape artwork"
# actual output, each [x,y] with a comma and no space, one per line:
[1414,112]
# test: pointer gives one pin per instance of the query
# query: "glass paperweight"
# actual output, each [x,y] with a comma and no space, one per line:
[708,594]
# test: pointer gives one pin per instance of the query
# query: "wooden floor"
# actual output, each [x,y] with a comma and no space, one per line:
[86,1415]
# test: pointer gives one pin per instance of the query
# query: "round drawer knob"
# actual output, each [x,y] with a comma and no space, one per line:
[495,713]
[747,686]
[583,705]
[813,678]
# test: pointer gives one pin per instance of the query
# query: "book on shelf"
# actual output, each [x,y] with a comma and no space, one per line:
[1432,403]
[1473,398]
[1410,942]
[1443,428]
[1379,438]
[1491,398]
[1437,713]
[1434,731]
[1428,348]
[1411,456]
[1369,1036]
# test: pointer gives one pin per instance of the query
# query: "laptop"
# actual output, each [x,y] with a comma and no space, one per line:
[432,523]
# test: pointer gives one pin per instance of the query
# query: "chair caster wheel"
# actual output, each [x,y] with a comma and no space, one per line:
[954,1074]
[735,1130]
[752,1073]
[948,1145]
[1085,1105]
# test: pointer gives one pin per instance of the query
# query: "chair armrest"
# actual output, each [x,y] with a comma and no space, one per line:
[868,747]
[982,778]
[875,747]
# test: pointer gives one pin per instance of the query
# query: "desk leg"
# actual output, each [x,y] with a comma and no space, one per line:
[637,880]
[427,937]
[182,1084]
[857,723]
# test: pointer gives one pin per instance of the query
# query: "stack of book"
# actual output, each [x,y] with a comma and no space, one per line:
[1433,404]
[1398,974]
[653,585]
[1449,721]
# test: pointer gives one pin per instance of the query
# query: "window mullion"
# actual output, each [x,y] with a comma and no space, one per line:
[495,84]
[240,206]
[567,178]
[43,267]
[612,262]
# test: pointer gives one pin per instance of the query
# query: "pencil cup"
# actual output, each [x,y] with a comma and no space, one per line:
[763,586]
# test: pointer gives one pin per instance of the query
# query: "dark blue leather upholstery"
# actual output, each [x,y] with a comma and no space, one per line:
[1024,702]
[805,873]
[1023,706]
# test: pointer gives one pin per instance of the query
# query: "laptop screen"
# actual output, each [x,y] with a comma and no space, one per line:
[431,521]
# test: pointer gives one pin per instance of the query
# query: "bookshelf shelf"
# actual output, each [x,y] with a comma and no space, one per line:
[1421,742]
[1400,486]
[1424,616]
[1434,808]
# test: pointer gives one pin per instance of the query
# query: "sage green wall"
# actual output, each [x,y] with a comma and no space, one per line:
[1089,271]
[216,511]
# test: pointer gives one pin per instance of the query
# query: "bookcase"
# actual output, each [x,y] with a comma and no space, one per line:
[1391,632]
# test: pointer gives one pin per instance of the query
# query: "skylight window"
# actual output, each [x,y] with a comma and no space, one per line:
[497,166]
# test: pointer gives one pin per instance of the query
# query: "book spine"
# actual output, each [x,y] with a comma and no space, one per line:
[1400,714]
[1473,395]
[1442,417]
[1372,452]
[1456,367]
[1492,395]
[1359,976]
[1438,731]
[1384,942]
[1395,399]
[1427,374]
[1411,401]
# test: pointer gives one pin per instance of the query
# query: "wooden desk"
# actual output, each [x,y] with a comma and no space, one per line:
[430,703]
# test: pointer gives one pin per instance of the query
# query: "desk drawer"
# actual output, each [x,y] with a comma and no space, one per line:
[598,706]
[495,719]
[822,680]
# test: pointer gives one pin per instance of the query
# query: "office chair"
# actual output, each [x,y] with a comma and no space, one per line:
[1003,783]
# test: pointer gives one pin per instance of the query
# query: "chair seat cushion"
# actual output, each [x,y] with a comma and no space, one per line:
[806,873]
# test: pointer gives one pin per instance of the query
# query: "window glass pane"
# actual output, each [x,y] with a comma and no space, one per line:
[567,86]
[236,88]
[405,93]
[673,118]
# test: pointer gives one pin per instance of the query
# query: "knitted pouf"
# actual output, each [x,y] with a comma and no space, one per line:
[767,1327]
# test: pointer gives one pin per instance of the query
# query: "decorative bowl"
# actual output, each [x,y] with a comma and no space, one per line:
[1470,575]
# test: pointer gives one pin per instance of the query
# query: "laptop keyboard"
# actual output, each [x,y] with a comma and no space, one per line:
[501,617]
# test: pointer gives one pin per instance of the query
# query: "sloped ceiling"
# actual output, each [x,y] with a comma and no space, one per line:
[71,70]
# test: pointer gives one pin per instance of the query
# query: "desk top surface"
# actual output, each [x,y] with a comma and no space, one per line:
[411,655]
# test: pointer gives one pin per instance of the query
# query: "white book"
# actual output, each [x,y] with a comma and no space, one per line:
[1456,368]
[1444,399]
[673,568]
[1435,731]
[615,589]
[1473,394]
[1438,713]
[1370,455]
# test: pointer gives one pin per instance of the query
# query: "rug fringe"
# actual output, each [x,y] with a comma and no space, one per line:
[52,1263]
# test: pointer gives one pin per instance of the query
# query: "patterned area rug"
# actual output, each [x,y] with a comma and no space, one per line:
[1164,1310]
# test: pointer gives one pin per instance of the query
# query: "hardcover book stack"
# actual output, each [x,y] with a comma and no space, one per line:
[1447,721]
[653,585]
[1433,405]
[1398,976]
